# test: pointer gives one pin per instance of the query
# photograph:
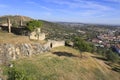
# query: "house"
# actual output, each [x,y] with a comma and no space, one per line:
[95,40]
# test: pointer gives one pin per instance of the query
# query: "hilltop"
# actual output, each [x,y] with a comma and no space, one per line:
[53,30]
[15,19]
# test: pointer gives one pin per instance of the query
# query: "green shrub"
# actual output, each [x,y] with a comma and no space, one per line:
[111,56]
[32,25]
[15,74]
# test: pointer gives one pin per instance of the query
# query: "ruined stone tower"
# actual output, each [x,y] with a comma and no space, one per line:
[21,23]
[9,26]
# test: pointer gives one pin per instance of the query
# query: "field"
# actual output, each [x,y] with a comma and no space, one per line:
[64,63]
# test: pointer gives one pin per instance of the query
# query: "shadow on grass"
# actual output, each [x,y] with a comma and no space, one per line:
[64,54]
[100,58]
[116,69]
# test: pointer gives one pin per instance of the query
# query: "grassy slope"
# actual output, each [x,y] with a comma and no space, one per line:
[6,37]
[49,66]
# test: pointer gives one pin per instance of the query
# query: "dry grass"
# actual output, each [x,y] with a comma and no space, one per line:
[6,37]
[49,66]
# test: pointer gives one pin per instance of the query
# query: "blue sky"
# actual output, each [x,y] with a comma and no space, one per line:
[86,11]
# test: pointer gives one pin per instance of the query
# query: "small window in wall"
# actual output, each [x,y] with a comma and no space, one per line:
[50,45]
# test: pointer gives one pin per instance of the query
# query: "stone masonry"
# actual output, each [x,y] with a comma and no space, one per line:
[13,51]
[37,35]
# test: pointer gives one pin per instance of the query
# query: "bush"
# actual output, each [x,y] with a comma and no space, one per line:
[111,56]
[15,74]
[82,45]
[32,25]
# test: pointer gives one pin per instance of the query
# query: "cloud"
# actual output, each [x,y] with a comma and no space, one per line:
[81,4]
[96,6]
[31,2]
[38,5]
[73,8]
[81,8]
[117,1]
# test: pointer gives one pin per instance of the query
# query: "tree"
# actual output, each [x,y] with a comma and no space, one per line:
[32,25]
[81,45]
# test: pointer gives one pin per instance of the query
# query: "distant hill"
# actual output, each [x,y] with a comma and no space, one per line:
[15,20]
[72,24]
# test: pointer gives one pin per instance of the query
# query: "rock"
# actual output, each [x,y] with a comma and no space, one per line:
[41,36]
[37,48]
[10,65]
[26,49]
[1,79]
[17,50]
[69,43]
[1,74]
[11,51]
[33,36]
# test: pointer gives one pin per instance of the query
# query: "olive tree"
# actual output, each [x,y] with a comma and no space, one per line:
[82,45]
[32,25]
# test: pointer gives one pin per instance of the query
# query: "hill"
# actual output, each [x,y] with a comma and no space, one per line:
[15,19]
[63,63]
[53,30]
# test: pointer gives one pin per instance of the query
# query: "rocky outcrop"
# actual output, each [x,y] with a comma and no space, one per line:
[10,51]
[13,51]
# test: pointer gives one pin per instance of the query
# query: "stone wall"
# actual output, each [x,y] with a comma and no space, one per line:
[53,43]
[37,35]
[34,36]
[10,52]
[5,24]
[13,51]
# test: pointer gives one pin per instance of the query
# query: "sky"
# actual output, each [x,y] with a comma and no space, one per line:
[84,11]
